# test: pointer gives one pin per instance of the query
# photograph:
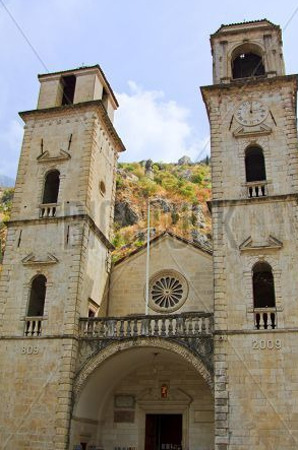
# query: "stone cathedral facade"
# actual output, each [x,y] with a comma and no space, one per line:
[214,363]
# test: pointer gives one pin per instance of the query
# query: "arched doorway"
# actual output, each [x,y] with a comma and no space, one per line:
[144,397]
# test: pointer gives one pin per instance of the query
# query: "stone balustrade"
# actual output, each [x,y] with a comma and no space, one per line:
[48,210]
[33,326]
[165,326]
[256,189]
[265,318]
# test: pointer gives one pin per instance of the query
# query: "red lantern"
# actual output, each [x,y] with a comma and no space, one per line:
[164,391]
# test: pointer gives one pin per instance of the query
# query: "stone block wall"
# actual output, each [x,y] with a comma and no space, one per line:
[229,139]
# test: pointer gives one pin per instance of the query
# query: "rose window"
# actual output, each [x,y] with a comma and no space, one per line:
[168,291]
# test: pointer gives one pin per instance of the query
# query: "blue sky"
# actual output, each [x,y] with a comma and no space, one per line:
[155,53]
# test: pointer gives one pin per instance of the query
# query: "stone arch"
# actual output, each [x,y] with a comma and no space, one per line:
[247,60]
[94,362]
[263,285]
[38,287]
[255,167]
[51,186]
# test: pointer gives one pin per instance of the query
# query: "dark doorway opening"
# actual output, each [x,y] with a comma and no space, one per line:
[37,296]
[163,432]
[248,65]
[254,164]
[51,187]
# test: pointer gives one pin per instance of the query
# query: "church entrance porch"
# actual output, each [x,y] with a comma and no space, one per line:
[143,397]
[163,432]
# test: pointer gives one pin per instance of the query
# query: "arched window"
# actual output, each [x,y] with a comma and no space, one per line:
[254,164]
[51,187]
[37,296]
[263,295]
[247,62]
[263,286]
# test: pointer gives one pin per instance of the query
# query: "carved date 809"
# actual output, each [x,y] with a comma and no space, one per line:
[30,350]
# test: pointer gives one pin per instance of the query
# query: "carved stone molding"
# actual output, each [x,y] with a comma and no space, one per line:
[244,132]
[32,259]
[271,243]
[46,158]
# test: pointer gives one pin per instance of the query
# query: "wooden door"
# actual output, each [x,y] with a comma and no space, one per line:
[163,432]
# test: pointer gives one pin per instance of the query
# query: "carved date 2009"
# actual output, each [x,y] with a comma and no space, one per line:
[270,344]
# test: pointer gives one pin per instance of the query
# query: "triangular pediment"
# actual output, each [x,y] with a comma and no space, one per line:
[46,157]
[205,248]
[33,259]
[271,243]
[261,129]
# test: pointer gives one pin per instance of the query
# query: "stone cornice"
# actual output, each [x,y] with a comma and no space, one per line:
[59,111]
[241,27]
[247,82]
[255,200]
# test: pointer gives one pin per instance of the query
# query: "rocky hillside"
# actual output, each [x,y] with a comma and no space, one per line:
[177,195]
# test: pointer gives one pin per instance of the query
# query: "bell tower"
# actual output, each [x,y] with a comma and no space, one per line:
[252,113]
[56,263]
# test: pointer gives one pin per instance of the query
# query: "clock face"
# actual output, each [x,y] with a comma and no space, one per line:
[251,113]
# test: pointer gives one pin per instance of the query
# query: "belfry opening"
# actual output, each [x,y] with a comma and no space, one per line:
[247,62]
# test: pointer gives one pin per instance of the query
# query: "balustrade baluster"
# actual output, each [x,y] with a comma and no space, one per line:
[207,325]
[128,328]
[121,330]
[203,328]
[144,327]
[135,327]
[96,328]
[197,326]
[89,327]
[170,327]
[109,328]
[149,327]
[39,327]
[179,326]
[184,326]
[265,320]
[190,326]
[156,327]
[163,327]
[102,328]
[35,328]
[32,327]
[27,330]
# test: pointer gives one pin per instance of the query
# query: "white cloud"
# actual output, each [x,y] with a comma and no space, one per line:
[152,127]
